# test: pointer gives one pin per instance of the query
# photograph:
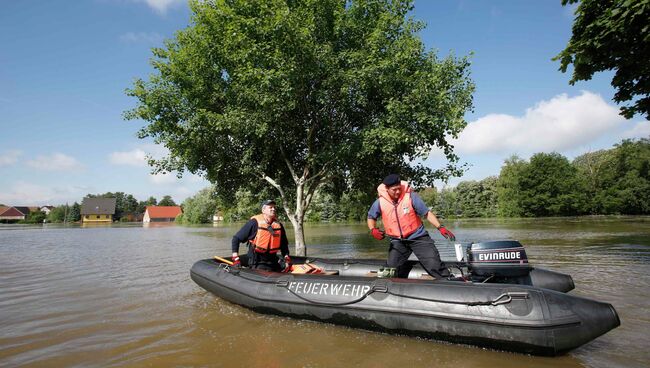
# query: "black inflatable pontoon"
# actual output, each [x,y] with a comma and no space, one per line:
[505,316]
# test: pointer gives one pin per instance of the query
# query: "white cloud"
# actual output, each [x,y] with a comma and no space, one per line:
[9,158]
[640,130]
[171,181]
[29,194]
[171,178]
[55,162]
[137,37]
[163,179]
[558,124]
[136,157]
[161,6]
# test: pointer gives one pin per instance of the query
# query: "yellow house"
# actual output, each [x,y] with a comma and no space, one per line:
[97,210]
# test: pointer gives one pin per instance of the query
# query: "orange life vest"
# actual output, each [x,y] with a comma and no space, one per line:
[400,219]
[305,268]
[267,239]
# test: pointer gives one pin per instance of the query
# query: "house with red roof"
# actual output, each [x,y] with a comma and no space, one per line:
[161,213]
[14,214]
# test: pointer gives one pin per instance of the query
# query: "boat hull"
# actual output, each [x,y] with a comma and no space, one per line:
[516,318]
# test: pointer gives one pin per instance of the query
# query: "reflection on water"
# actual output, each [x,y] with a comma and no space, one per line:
[121,296]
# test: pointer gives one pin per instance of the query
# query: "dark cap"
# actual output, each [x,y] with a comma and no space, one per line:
[268,202]
[390,180]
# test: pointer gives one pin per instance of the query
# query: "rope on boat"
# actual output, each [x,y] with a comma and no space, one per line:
[504,298]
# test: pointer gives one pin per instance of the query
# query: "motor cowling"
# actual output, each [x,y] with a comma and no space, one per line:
[505,258]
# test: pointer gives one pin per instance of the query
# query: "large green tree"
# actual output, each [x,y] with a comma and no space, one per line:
[297,93]
[477,198]
[199,208]
[625,187]
[142,205]
[167,201]
[612,35]
[57,214]
[592,170]
[509,187]
[549,186]
[74,214]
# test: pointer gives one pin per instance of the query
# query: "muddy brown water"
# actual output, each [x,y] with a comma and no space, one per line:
[122,296]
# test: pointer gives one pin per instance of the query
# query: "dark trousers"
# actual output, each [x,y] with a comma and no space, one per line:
[424,249]
[263,261]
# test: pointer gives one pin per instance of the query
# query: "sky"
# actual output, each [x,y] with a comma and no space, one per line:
[65,66]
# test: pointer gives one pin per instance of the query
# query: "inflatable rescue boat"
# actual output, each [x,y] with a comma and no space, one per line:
[495,300]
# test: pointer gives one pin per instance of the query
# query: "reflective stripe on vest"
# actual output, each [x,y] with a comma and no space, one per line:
[400,219]
[267,239]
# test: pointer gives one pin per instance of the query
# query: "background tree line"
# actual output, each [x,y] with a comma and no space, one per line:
[613,181]
[606,182]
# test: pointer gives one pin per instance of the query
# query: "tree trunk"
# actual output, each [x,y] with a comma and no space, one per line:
[303,200]
[299,233]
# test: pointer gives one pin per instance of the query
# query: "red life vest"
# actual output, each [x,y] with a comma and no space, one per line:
[267,239]
[400,219]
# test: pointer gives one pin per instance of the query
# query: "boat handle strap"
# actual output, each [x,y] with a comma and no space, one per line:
[509,296]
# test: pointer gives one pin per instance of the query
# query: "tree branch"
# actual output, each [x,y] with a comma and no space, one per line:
[277,186]
[312,190]
[320,174]
[286,161]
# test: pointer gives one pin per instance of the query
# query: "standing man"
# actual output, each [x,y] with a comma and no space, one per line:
[400,209]
[265,237]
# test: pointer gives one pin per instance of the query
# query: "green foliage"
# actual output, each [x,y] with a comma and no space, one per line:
[35,217]
[477,199]
[142,205]
[429,195]
[244,206]
[548,187]
[592,169]
[447,204]
[296,94]
[509,188]
[354,205]
[626,183]
[200,208]
[58,213]
[74,214]
[167,201]
[124,203]
[325,207]
[612,35]
[613,181]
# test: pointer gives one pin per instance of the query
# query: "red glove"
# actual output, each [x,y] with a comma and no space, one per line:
[236,262]
[287,263]
[446,233]
[377,234]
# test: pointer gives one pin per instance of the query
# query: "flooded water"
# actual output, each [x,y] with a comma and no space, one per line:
[122,296]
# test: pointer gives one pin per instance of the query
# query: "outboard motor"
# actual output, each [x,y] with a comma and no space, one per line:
[497,259]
